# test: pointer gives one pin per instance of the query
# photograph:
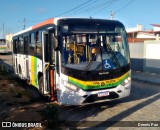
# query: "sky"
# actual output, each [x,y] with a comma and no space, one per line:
[129,12]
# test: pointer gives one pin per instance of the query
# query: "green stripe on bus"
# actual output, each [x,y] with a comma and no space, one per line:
[106,85]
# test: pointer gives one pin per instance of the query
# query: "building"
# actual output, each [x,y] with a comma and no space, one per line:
[8,38]
[138,35]
[156,29]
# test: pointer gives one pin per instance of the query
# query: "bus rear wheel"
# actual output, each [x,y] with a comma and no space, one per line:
[41,85]
[41,90]
[20,73]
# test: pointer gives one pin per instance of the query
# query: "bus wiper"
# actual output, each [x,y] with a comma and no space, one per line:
[113,55]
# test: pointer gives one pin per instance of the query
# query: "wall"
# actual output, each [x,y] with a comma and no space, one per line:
[152,56]
[137,56]
[145,56]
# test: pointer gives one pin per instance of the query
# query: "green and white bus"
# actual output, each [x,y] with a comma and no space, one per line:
[3,46]
[75,61]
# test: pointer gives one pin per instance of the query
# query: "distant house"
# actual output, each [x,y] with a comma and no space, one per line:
[138,35]
[8,38]
[156,30]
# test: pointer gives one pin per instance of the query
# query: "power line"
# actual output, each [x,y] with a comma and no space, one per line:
[101,5]
[79,8]
[86,5]
[124,6]
[68,11]
[105,6]
[73,8]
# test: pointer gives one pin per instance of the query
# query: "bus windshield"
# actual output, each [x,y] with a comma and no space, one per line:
[94,47]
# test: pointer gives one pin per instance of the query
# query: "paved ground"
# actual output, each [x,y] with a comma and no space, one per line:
[142,105]
[6,59]
[146,77]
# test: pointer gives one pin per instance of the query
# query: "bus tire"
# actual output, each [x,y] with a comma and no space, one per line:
[20,73]
[41,85]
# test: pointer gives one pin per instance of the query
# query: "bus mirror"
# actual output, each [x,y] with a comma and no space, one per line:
[55,44]
[54,41]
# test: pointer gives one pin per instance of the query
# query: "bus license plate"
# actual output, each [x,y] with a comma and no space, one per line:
[103,94]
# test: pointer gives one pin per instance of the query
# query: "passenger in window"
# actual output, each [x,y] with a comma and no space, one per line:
[95,54]
[70,55]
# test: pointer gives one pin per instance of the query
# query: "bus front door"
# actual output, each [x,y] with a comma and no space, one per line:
[45,63]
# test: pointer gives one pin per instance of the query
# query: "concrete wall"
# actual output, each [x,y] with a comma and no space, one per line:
[152,56]
[145,56]
[137,56]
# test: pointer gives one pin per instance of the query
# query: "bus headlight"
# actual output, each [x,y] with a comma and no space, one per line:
[70,86]
[126,81]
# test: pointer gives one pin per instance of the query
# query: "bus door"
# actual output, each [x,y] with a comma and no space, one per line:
[52,65]
[26,52]
[45,62]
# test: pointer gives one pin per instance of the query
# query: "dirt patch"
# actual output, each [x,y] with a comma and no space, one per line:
[23,103]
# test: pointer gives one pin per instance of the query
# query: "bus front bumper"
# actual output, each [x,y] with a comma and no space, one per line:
[69,97]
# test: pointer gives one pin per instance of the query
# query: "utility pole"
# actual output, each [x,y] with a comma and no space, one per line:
[112,15]
[24,21]
[3,31]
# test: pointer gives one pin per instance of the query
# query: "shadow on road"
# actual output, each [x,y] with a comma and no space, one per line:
[80,113]
[129,111]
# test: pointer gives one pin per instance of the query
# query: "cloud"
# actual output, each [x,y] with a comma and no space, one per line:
[13,8]
[41,10]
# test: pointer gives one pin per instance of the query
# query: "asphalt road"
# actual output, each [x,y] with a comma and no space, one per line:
[143,104]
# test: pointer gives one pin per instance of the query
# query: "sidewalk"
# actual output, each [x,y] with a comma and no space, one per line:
[146,76]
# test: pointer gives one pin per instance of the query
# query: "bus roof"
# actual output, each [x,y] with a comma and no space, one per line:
[41,24]
[53,21]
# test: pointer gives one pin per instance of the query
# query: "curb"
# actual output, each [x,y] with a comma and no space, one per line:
[144,79]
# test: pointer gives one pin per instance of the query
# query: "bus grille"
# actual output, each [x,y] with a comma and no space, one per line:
[94,97]
[99,89]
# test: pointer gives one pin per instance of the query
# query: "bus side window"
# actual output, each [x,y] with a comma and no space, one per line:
[26,42]
[38,44]
[20,46]
[32,44]
[15,46]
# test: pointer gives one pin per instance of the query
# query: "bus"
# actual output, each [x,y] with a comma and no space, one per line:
[3,46]
[75,61]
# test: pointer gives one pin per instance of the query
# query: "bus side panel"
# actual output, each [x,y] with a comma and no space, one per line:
[20,65]
[14,60]
[35,66]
